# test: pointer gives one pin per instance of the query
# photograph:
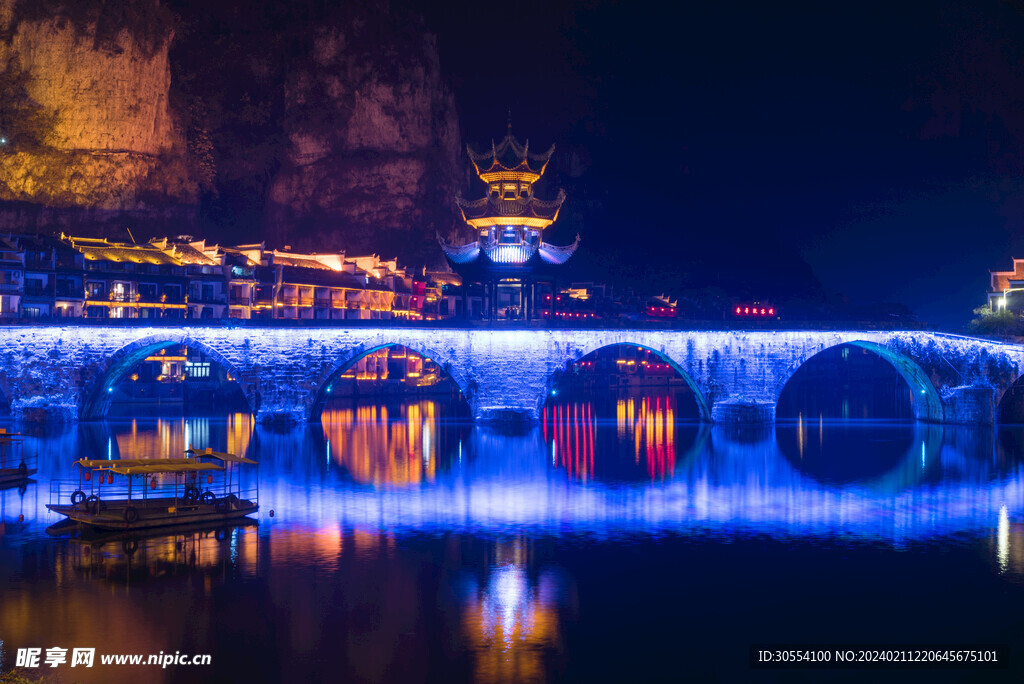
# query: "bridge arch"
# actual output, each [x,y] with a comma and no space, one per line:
[324,385]
[1009,403]
[553,379]
[94,402]
[926,403]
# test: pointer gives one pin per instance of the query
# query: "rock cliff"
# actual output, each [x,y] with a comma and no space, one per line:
[88,132]
[372,141]
[234,120]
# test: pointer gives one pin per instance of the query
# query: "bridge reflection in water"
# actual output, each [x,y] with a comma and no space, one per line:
[403,532]
[407,466]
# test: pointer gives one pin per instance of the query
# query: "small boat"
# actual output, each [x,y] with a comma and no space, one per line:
[14,468]
[158,492]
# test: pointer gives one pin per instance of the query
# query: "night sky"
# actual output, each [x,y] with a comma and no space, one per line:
[850,153]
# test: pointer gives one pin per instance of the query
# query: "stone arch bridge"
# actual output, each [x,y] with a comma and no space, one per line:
[286,372]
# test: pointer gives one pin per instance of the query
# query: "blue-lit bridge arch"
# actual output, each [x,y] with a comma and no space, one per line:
[925,400]
[102,379]
[1009,402]
[63,370]
[703,410]
[326,382]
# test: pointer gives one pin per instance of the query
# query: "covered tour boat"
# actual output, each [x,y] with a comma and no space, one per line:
[14,468]
[204,487]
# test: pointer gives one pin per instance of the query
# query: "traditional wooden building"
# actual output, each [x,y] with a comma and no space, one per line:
[508,261]
[1007,289]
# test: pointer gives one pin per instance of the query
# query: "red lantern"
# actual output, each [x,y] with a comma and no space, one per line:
[110,478]
[209,479]
[88,475]
[152,484]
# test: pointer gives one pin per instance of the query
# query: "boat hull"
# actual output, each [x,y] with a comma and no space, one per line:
[153,513]
[11,475]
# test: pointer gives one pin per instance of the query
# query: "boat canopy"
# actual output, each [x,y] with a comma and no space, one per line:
[220,455]
[106,464]
[136,466]
[6,437]
[132,469]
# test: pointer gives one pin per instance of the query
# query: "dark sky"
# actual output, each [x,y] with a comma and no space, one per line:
[730,144]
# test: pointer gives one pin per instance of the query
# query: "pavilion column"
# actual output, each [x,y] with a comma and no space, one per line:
[527,300]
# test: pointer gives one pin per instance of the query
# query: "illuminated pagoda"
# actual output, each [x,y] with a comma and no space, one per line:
[509,259]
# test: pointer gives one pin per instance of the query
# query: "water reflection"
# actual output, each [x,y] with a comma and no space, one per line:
[128,558]
[408,467]
[844,452]
[397,444]
[646,443]
[511,615]
[401,533]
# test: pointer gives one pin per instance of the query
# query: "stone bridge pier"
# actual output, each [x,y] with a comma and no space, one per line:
[287,373]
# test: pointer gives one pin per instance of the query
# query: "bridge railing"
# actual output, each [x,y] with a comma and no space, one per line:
[597,324]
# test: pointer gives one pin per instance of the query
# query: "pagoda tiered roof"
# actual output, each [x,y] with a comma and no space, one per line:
[509,160]
[527,211]
[511,259]
[510,220]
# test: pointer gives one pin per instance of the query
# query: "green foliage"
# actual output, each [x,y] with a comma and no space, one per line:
[1000,323]
[23,122]
[148,22]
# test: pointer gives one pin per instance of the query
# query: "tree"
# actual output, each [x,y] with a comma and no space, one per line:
[999,323]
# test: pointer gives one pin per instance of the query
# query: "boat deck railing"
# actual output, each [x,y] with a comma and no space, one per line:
[61,491]
[13,462]
[12,455]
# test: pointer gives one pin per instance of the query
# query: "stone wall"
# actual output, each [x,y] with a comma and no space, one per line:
[286,372]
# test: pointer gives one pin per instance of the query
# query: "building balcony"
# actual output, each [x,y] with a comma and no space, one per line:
[239,300]
[39,292]
[212,299]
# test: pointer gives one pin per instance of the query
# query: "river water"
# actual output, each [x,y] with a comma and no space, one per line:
[610,543]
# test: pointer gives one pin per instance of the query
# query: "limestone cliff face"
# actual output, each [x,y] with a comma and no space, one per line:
[111,143]
[373,143]
[343,138]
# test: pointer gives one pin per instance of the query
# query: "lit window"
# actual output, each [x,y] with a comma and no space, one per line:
[197,370]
